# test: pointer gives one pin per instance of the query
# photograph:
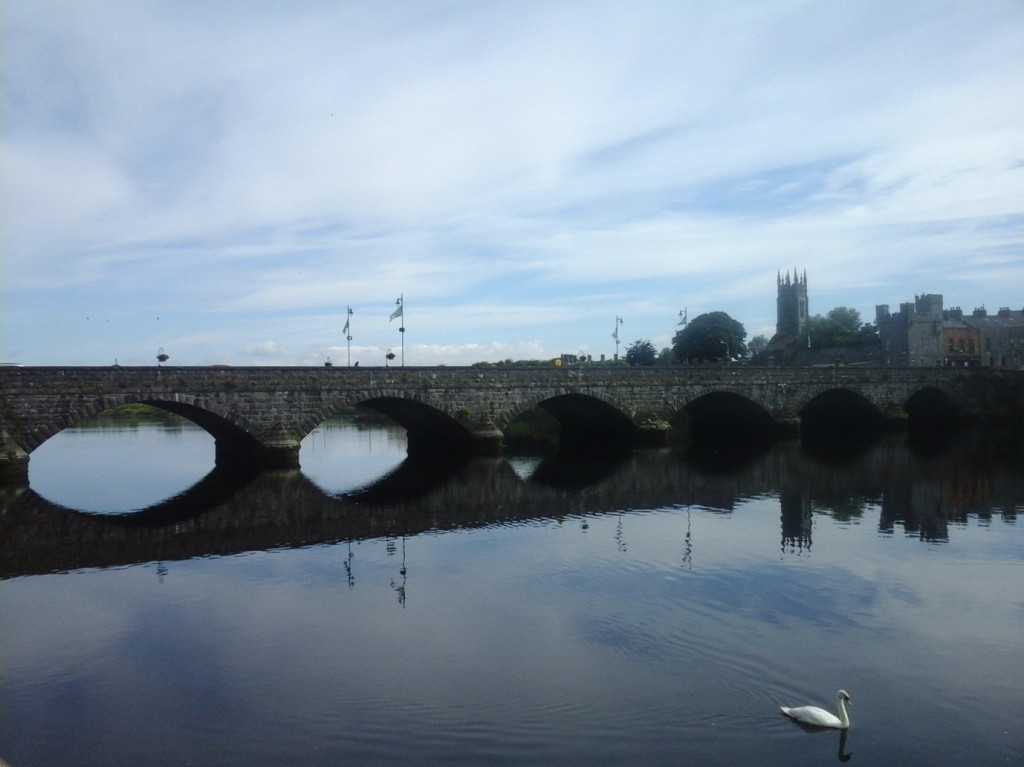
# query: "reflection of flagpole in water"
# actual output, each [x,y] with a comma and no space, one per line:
[688,544]
[619,538]
[348,566]
[400,588]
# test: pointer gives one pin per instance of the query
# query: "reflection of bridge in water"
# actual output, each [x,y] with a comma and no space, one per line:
[230,513]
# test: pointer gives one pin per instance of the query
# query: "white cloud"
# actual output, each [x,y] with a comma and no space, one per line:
[256,170]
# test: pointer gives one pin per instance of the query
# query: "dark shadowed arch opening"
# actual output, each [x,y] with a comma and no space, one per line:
[722,431]
[726,416]
[932,409]
[840,423]
[933,420]
[587,422]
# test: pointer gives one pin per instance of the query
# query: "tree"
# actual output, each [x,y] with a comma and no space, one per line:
[846,318]
[710,337]
[641,353]
[757,345]
[840,327]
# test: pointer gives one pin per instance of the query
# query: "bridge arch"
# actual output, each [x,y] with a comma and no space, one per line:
[225,426]
[586,419]
[232,439]
[931,408]
[837,409]
[427,426]
[720,412]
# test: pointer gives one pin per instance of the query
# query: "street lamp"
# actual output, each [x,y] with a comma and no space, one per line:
[615,335]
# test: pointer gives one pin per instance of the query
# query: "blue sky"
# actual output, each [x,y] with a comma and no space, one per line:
[223,179]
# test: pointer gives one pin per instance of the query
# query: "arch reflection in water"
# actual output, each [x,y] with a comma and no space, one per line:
[341,455]
[230,513]
[109,467]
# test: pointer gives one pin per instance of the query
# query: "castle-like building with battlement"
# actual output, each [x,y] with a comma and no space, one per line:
[920,334]
[923,334]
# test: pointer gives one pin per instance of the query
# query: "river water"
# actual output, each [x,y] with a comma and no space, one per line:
[646,608]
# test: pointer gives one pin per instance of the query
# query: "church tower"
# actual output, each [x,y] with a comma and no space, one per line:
[791,306]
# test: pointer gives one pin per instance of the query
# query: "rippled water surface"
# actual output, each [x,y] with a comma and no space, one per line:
[640,609]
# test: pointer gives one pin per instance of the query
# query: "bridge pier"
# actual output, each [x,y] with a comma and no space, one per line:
[482,439]
[787,423]
[278,450]
[487,439]
[895,419]
[653,433]
[13,461]
[261,456]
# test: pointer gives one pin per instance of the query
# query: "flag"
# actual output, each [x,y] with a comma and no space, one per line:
[396,313]
[345,329]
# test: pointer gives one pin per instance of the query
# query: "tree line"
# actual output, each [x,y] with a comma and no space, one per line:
[716,337]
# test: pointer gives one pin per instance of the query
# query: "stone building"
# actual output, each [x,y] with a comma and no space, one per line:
[961,343]
[913,336]
[1000,337]
[791,318]
[923,334]
[791,305]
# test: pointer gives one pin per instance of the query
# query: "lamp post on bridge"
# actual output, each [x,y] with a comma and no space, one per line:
[615,335]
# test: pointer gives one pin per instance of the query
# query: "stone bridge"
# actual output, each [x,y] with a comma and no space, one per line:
[260,414]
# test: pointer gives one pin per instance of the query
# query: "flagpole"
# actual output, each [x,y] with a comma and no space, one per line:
[348,335]
[400,313]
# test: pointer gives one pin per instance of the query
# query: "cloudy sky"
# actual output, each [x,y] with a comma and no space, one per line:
[223,179]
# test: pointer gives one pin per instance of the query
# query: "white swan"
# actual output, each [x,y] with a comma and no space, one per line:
[819,717]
